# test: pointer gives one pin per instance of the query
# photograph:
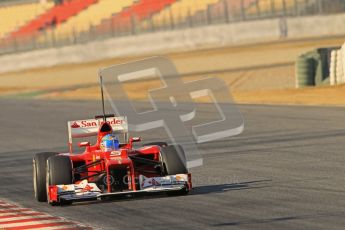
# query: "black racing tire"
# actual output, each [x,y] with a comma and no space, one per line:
[173,159]
[39,162]
[59,171]
[159,143]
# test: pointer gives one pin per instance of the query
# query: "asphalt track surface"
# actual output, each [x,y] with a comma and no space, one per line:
[286,171]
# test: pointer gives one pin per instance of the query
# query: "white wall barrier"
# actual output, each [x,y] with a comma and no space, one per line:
[337,66]
[342,53]
[213,36]
[333,68]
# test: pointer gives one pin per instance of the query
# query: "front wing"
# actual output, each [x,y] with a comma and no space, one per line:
[85,191]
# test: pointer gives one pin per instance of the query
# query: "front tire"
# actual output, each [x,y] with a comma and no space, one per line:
[39,162]
[59,171]
[173,159]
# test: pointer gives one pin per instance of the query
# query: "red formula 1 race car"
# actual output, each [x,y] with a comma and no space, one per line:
[111,167]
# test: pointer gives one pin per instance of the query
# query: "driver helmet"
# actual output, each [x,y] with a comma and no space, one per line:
[110,143]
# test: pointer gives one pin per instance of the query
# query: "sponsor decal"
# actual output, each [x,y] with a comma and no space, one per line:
[146,182]
[178,178]
[88,124]
[97,123]
[87,188]
[75,125]
[115,153]
[102,146]
[84,186]
[155,182]
[65,188]
[113,121]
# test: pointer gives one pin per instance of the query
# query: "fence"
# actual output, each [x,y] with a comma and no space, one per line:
[224,11]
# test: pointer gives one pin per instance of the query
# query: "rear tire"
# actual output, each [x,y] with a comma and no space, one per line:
[59,171]
[39,162]
[173,159]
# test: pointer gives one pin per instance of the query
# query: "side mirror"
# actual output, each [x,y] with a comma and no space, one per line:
[135,139]
[84,144]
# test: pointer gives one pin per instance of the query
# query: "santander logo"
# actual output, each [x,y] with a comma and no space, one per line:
[75,125]
[95,123]
[113,121]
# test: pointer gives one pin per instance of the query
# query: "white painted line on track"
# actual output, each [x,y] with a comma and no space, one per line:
[19,211]
[14,217]
[34,221]
[19,217]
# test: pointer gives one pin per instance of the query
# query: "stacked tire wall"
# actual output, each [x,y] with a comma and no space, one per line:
[313,68]
[337,66]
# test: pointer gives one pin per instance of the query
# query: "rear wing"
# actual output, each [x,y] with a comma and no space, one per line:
[90,127]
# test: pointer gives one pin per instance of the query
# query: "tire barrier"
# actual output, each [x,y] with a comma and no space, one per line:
[305,71]
[322,72]
[315,68]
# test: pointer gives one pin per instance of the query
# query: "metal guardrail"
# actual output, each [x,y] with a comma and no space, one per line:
[225,11]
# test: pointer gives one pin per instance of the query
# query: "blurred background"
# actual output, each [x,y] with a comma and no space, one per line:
[267,51]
